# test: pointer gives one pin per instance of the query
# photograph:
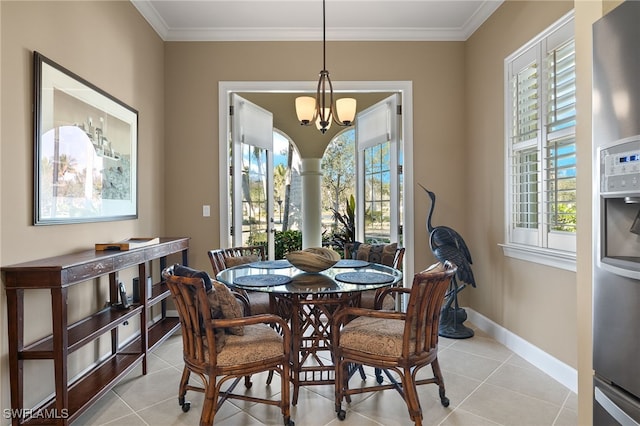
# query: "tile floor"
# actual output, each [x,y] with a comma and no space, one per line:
[486,383]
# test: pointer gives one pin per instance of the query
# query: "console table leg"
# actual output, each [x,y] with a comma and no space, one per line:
[144,332]
[15,309]
[61,351]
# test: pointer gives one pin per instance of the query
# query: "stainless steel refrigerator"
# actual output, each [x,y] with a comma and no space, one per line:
[616,286]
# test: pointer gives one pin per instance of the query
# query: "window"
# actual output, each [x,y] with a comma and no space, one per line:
[377,193]
[541,146]
[365,161]
[379,160]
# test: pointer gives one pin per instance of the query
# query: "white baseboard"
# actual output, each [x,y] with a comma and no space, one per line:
[555,368]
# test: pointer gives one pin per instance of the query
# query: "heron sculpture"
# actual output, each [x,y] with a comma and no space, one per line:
[447,245]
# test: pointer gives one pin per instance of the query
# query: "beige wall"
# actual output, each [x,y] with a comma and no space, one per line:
[586,14]
[110,45]
[548,307]
[538,303]
[4,390]
[194,69]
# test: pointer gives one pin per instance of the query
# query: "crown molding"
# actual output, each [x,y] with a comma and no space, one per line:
[166,33]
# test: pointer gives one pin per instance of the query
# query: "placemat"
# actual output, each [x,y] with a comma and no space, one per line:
[263,280]
[351,263]
[364,277]
[271,264]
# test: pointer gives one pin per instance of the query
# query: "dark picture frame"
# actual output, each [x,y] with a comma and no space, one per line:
[85,150]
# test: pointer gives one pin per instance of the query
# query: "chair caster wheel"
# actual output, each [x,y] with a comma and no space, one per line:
[444,401]
[186,406]
[289,422]
[342,415]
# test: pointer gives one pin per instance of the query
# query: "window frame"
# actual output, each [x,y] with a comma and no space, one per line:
[537,244]
[382,127]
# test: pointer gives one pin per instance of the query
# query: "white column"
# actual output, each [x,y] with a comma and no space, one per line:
[311,203]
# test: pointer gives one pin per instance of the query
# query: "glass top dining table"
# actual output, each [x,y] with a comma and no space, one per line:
[281,277]
[308,301]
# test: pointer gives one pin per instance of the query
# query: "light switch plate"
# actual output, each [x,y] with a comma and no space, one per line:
[206,211]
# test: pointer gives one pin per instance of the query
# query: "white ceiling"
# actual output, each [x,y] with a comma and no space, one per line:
[281,20]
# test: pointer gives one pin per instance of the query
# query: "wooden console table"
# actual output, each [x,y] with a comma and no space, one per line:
[59,273]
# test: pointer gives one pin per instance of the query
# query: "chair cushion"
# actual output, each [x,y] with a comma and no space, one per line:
[259,342]
[185,271]
[376,253]
[375,336]
[240,260]
[222,300]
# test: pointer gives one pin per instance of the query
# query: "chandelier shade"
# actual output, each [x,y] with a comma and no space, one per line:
[322,110]
[305,109]
[346,110]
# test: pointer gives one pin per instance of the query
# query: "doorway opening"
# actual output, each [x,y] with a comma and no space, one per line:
[403,88]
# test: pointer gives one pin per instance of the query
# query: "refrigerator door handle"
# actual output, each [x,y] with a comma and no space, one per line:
[616,412]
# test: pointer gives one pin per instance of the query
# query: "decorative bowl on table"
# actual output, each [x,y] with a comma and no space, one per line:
[314,259]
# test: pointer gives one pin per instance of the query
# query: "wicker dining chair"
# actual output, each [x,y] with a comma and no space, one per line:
[385,254]
[222,259]
[217,357]
[395,342]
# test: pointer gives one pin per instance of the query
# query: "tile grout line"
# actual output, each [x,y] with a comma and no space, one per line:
[130,408]
[484,381]
[562,407]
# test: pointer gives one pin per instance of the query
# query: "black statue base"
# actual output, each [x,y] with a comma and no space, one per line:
[451,326]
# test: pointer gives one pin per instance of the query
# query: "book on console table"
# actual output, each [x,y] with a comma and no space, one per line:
[128,244]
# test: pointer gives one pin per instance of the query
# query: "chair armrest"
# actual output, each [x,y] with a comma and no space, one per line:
[345,315]
[251,320]
[381,293]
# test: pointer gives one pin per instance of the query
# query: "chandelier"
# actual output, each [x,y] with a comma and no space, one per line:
[322,109]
